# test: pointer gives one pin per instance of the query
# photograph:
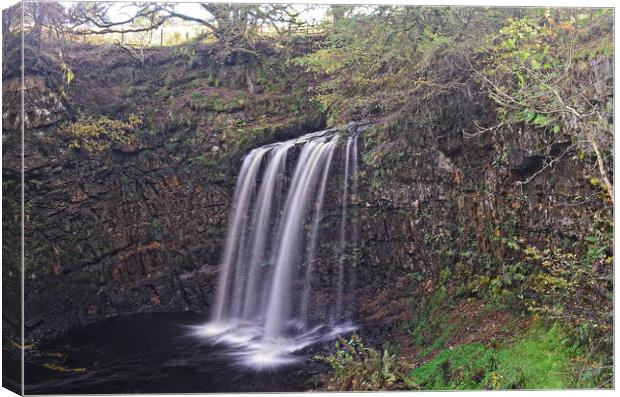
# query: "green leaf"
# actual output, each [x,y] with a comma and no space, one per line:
[521,79]
[540,120]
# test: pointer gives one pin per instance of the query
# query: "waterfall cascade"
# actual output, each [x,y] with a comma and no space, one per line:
[264,301]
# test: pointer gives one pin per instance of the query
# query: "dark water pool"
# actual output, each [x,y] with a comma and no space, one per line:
[153,353]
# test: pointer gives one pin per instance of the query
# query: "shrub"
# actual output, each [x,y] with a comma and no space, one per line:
[96,134]
[357,367]
[538,64]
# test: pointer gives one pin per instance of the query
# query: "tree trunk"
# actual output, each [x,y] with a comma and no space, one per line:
[338,12]
[601,164]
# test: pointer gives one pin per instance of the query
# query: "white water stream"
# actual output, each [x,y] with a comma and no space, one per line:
[264,301]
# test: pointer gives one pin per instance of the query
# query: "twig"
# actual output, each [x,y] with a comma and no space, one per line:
[547,165]
[481,130]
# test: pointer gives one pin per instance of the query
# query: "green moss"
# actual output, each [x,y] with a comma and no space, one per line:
[539,359]
[461,368]
[95,134]
[213,101]
[440,342]
[429,321]
[158,233]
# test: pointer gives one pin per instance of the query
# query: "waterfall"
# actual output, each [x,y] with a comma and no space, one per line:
[272,180]
[241,200]
[314,234]
[350,173]
[264,303]
[342,246]
[352,282]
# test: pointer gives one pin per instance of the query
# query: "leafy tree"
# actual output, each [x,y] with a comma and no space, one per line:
[554,71]
[380,55]
[230,23]
[36,17]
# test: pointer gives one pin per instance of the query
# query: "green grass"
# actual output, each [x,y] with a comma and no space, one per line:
[439,342]
[461,368]
[539,359]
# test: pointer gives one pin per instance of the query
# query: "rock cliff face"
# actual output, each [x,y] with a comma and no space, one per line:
[129,230]
[136,227]
[440,201]
[139,227]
